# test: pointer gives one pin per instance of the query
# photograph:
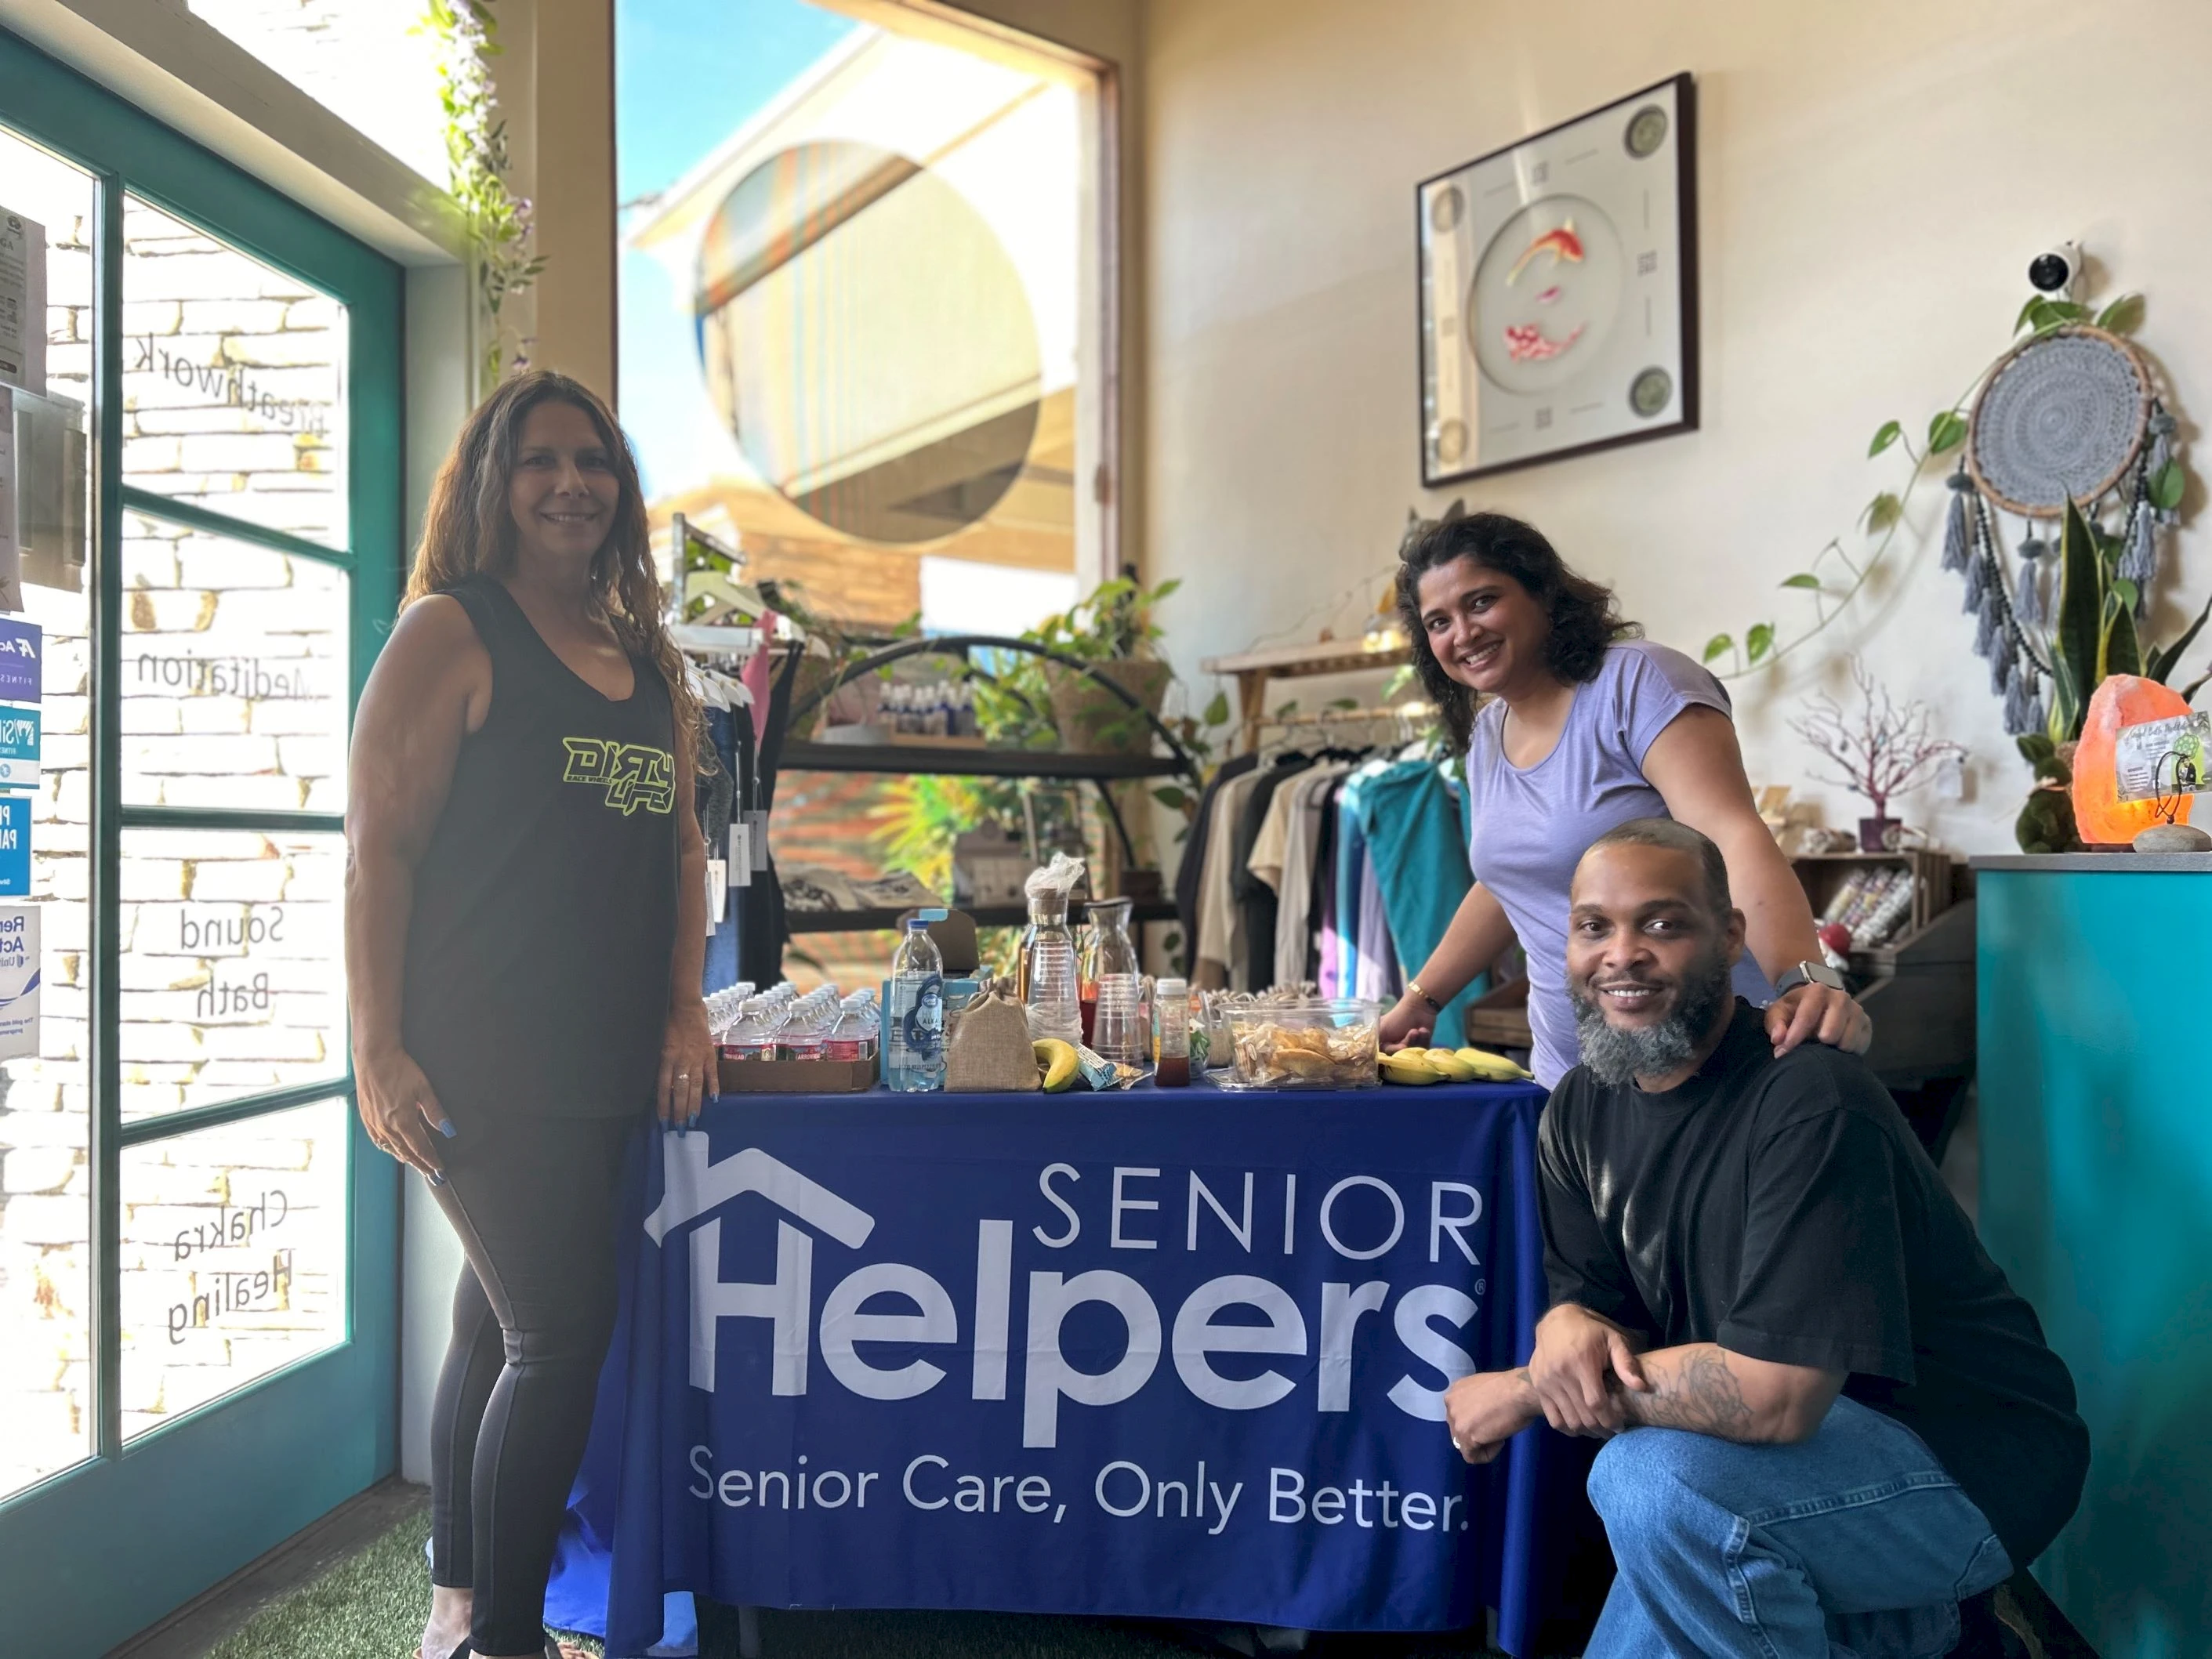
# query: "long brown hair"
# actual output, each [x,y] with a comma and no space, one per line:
[469,528]
[1585,614]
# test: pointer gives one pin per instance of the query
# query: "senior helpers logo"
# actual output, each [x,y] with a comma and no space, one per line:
[1358,1218]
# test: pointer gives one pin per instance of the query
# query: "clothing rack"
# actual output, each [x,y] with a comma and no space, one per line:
[1407,721]
[729,631]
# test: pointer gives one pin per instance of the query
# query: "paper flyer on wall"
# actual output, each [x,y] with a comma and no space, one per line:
[19,981]
[49,479]
[22,301]
[19,747]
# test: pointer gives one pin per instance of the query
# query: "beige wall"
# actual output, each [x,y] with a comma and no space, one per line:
[567,163]
[556,80]
[1873,180]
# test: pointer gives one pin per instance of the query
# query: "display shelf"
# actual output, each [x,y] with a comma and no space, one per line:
[1253,670]
[985,916]
[950,760]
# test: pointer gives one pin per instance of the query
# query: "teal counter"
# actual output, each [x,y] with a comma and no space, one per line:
[2094,1012]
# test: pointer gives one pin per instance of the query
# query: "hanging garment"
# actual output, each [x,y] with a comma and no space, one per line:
[1354,941]
[1301,814]
[1267,860]
[731,732]
[1410,824]
[1327,954]
[763,934]
[1377,978]
[1190,872]
[1254,965]
[1219,933]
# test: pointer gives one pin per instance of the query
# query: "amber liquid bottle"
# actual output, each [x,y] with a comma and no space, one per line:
[1171,1016]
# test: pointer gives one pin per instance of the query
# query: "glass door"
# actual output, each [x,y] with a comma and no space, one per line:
[198,1248]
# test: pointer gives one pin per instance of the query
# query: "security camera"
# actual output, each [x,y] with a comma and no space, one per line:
[2056,270]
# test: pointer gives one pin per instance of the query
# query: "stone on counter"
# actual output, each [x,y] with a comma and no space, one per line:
[2173,838]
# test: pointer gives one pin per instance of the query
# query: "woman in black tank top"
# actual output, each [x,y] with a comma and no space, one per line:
[526,927]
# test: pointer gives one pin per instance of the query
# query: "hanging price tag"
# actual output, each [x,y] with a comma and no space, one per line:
[756,831]
[718,892]
[740,866]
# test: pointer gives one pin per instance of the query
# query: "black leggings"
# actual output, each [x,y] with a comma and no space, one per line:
[533,1201]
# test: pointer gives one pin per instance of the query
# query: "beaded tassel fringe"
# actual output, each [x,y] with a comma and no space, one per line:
[1957,530]
[2140,563]
[2023,704]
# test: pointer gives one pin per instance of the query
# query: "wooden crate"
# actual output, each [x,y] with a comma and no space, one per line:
[1499,1019]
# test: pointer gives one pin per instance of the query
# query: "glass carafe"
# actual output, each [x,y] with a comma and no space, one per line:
[1107,949]
[1047,976]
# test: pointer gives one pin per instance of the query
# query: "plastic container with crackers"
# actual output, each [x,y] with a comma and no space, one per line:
[1324,1044]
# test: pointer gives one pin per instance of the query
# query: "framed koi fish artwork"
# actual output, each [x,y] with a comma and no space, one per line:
[1559,291]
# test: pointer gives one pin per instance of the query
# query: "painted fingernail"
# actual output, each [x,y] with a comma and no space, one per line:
[683,1130]
[436,1179]
[692,1123]
[445,1127]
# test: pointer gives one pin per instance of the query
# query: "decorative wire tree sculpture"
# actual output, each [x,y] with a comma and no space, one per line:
[1883,751]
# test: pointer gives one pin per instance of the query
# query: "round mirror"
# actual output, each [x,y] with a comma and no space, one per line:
[869,342]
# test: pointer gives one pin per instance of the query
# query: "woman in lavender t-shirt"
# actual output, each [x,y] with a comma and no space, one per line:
[1582,726]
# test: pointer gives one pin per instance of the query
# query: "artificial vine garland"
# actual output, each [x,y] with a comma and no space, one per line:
[496,222]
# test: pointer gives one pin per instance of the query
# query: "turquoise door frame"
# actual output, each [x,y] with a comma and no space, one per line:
[102,1550]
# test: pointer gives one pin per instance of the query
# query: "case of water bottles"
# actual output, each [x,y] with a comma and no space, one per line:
[780,1041]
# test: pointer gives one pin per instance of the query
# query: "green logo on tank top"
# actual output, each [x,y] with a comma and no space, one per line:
[633,776]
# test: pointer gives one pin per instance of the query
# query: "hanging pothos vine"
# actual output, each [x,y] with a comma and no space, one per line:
[1835,577]
[496,222]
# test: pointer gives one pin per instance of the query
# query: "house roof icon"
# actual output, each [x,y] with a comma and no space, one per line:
[694,1186]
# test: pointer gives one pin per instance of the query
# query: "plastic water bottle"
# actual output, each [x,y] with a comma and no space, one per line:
[913,1024]
[752,1035]
[808,1030]
[854,1036]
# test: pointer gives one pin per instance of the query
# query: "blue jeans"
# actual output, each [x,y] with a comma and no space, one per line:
[1853,1545]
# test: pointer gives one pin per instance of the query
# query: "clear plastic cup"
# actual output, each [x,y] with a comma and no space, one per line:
[1119,1034]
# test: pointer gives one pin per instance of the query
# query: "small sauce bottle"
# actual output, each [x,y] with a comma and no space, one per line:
[1171,1017]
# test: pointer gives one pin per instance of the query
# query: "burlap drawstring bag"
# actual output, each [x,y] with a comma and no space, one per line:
[990,1052]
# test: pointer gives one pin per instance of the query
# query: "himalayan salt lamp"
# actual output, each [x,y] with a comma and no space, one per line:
[2105,820]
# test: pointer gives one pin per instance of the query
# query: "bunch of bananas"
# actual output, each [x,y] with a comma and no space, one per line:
[1420,1066]
[1056,1065]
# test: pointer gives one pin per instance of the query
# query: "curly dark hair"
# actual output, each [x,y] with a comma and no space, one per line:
[1585,616]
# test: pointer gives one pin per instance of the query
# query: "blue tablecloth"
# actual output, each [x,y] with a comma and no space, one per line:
[1173,1353]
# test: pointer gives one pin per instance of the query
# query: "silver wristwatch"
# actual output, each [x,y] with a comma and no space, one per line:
[1809,973]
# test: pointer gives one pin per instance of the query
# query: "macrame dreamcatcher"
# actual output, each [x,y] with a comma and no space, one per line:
[2071,414]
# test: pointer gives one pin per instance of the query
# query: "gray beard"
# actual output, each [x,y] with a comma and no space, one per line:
[1616,1056]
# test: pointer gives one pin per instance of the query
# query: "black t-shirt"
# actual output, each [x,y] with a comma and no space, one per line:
[1783,1209]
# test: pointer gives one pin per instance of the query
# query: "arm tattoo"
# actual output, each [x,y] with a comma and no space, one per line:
[1701,1396]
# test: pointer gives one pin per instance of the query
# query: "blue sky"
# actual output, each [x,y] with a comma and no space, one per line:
[688,73]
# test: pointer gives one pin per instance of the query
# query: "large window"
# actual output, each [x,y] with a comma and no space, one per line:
[864,310]
[374,63]
[860,296]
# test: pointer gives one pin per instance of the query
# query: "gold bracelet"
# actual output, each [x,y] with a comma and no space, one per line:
[1414,988]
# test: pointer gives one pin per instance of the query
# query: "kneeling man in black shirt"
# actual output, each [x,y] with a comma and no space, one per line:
[1830,1419]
